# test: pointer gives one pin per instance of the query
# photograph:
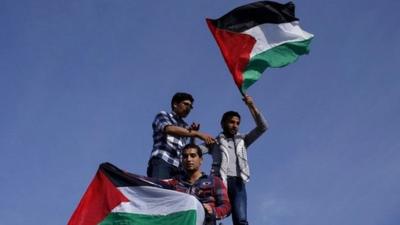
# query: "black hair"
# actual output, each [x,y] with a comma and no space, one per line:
[179,97]
[191,145]
[228,115]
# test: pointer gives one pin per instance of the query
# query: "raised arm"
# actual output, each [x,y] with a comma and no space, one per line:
[261,123]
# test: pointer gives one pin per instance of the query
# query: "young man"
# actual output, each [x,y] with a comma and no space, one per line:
[229,155]
[170,134]
[209,190]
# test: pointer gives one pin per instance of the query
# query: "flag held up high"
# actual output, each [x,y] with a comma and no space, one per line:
[118,197]
[256,36]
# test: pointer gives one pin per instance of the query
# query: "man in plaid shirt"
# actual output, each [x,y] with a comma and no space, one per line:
[209,190]
[170,134]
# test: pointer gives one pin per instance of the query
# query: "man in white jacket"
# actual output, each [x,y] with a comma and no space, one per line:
[229,156]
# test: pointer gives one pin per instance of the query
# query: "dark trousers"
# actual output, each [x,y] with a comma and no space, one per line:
[238,198]
[160,169]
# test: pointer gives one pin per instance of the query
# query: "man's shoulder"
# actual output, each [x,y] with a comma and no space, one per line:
[162,116]
[205,148]
[162,113]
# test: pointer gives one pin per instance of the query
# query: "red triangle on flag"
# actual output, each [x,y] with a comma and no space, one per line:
[235,48]
[97,202]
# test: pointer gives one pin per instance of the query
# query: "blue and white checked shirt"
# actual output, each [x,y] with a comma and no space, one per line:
[165,146]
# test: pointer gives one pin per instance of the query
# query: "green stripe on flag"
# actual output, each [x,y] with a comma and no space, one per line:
[184,218]
[278,56]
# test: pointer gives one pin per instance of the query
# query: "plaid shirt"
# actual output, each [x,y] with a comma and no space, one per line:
[165,146]
[207,189]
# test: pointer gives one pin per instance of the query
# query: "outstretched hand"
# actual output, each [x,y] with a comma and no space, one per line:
[195,130]
[208,139]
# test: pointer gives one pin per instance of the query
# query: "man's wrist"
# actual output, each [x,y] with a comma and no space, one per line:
[194,133]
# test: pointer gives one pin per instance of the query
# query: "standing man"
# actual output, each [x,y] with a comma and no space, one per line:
[209,190]
[229,156]
[170,134]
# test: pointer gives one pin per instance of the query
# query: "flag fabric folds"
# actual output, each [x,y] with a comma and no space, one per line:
[118,197]
[256,36]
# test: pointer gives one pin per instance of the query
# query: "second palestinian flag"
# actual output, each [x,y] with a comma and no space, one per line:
[259,35]
[118,197]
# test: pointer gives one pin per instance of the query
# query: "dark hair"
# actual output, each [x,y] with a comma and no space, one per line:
[199,152]
[181,96]
[228,115]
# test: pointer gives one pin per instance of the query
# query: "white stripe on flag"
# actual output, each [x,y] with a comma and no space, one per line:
[271,35]
[157,201]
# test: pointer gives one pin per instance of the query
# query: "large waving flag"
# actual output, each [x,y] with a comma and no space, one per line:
[256,36]
[117,197]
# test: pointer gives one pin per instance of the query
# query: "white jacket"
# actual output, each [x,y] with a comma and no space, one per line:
[220,156]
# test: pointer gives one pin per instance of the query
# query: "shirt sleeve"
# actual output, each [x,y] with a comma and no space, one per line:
[261,127]
[222,207]
[161,121]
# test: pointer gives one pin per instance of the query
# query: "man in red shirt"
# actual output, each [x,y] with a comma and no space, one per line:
[209,190]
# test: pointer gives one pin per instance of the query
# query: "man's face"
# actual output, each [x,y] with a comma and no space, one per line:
[183,108]
[191,161]
[231,126]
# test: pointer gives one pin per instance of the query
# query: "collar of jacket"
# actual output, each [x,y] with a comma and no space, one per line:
[222,135]
[184,179]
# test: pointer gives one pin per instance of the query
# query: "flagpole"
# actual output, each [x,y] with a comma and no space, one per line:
[241,92]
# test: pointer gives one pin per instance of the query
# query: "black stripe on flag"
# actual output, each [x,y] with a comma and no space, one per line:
[121,178]
[247,16]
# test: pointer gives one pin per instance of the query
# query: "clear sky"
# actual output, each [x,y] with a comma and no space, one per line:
[81,81]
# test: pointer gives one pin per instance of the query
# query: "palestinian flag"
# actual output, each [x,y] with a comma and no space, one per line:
[116,197]
[256,36]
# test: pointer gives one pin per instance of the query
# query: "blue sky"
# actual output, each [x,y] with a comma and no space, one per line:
[81,81]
